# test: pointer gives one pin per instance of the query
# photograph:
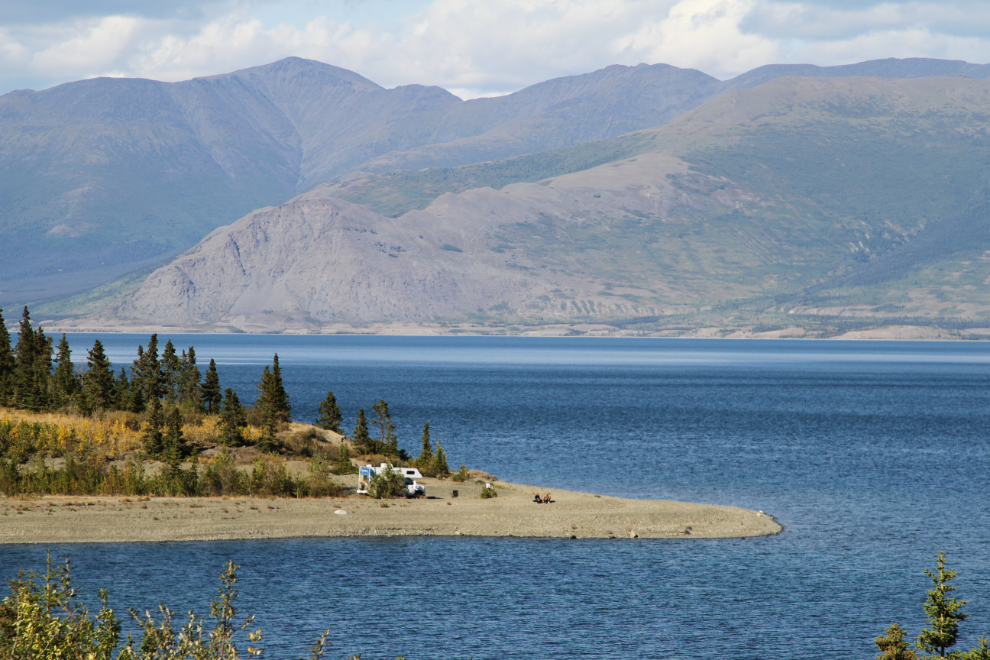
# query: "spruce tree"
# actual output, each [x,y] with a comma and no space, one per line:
[211,389]
[190,391]
[232,420]
[122,391]
[893,646]
[330,417]
[361,437]
[943,614]
[174,441]
[426,453]
[147,372]
[8,364]
[98,380]
[439,465]
[65,382]
[170,372]
[33,366]
[152,437]
[387,443]
[277,398]
[343,463]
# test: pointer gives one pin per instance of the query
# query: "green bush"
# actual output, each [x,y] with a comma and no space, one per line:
[461,475]
[387,485]
[488,493]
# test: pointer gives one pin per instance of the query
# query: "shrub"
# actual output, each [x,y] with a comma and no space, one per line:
[461,475]
[488,491]
[387,485]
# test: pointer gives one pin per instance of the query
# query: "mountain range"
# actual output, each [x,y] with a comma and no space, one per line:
[103,178]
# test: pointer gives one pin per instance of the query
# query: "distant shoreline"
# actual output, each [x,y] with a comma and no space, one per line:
[114,519]
[879,333]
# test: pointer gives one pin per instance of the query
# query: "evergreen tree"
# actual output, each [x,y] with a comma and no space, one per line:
[943,614]
[387,443]
[272,400]
[122,391]
[170,372]
[232,420]
[981,652]
[343,463]
[147,371]
[137,397]
[175,443]
[426,453]
[893,646]
[98,380]
[8,363]
[439,466]
[361,437]
[65,383]
[33,366]
[190,391]
[330,417]
[211,389]
[152,437]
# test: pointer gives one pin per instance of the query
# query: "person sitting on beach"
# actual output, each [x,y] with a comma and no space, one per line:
[538,499]
[546,499]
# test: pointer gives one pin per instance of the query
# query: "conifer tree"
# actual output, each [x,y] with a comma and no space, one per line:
[893,646]
[147,372]
[330,417]
[152,437]
[943,614]
[122,391]
[272,397]
[387,443]
[425,458]
[211,389]
[137,397]
[232,419]
[170,372]
[439,465]
[981,652]
[343,463]
[65,382]
[98,380]
[174,441]
[361,437]
[190,391]
[8,363]
[33,366]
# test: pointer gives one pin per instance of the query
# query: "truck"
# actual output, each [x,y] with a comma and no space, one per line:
[409,476]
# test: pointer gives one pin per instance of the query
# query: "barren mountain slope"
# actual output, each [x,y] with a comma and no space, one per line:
[763,192]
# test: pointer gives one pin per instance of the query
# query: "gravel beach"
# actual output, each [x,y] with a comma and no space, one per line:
[61,519]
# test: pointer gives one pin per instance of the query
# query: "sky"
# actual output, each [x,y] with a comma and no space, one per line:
[471,47]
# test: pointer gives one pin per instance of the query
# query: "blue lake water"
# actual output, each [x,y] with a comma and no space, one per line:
[873,455]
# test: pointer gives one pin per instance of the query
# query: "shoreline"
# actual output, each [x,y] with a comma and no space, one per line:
[115,519]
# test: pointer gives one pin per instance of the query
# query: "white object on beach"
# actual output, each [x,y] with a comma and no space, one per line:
[340,512]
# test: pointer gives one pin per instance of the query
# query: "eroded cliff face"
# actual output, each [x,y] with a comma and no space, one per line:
[318,259]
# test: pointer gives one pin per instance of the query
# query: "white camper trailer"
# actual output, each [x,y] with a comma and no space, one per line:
[409,476]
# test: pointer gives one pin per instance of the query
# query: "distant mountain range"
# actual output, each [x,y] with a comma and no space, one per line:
[803,197]
[101,178]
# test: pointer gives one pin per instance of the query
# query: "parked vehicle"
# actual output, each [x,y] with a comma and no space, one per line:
[409,477]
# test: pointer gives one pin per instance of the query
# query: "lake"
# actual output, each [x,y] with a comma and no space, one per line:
[873,455]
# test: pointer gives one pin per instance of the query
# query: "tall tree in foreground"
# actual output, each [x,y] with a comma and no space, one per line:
[33,366]
[170,372]
[190,391]
[330,417]
[147,371]
[893,646]
[152,437]
[211,389]
[943,614]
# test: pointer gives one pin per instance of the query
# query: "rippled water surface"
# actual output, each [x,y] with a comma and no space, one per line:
[872,455]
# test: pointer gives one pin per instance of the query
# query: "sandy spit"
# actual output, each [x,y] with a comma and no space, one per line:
[49,520]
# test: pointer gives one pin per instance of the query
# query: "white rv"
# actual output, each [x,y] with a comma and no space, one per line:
[409,476]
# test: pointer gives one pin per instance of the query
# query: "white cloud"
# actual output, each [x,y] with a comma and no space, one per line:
[486,46]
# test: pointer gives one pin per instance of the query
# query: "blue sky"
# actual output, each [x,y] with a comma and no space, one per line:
[471,47]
